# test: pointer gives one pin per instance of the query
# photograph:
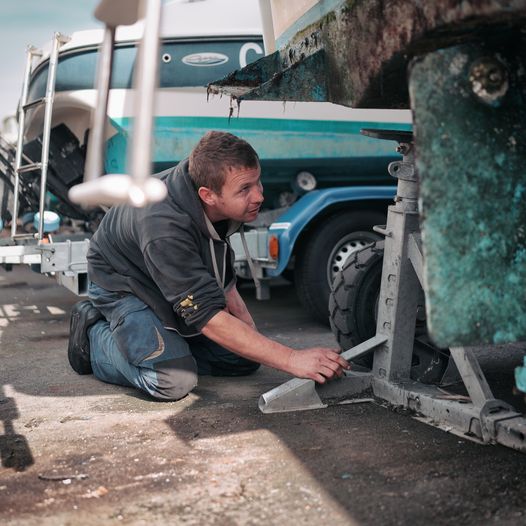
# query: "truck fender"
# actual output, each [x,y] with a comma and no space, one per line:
[288,227]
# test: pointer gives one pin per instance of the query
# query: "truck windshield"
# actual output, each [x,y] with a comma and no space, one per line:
[182,64]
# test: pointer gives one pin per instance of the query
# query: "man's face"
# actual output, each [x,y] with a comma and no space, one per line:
[241,196]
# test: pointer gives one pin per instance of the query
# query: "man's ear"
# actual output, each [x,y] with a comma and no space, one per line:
[207,196]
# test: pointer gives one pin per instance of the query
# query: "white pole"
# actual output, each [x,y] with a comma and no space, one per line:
[269,39]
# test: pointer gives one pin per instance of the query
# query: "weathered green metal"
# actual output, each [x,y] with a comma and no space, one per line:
[367,45]
[469,108]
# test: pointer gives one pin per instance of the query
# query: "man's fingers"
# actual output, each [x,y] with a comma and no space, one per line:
[329,372]
[333,366]
[319,378]
[336,358]
[322,364]
[344,363]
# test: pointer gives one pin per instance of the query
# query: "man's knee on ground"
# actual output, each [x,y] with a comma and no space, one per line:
[174,378]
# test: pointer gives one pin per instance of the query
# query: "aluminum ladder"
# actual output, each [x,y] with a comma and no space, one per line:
[63,257]
[24,106]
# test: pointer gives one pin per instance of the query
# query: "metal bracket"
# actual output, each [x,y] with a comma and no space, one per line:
[491,415]
[402,170]
[65,256]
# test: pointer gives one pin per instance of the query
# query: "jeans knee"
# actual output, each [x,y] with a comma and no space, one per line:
[174,378]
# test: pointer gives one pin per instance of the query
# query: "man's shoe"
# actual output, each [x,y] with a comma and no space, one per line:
[83,316]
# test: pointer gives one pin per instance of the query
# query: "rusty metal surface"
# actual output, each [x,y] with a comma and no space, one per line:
[469,108]
[367,45]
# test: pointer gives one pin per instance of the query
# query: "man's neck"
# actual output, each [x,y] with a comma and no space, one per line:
[212,214]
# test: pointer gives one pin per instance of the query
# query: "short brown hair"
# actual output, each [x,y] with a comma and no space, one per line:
[215,154]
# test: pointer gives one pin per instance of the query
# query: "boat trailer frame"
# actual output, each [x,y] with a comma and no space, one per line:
[479,417]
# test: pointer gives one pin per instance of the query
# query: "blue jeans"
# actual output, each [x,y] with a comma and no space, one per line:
[132,348]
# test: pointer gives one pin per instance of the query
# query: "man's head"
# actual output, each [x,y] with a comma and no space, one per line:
[226,173]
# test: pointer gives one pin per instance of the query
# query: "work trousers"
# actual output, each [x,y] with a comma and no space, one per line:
[131,347]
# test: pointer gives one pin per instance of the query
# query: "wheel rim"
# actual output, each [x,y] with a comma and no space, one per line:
[343,250]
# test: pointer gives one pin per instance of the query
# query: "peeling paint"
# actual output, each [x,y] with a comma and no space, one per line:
[369,44]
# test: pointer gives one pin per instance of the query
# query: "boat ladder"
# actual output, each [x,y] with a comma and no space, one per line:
[25,106]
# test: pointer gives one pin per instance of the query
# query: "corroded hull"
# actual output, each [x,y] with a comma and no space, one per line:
[460,66]
[356,53]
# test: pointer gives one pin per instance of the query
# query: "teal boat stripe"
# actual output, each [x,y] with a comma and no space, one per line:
[273,139]
[282,125]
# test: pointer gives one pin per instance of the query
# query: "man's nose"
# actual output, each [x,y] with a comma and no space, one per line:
[257,195]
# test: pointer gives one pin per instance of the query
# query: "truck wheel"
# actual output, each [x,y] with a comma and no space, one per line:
[353,303]
[325,254]
[353,311]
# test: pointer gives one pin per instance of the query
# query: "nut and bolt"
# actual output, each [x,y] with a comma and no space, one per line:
[489,79]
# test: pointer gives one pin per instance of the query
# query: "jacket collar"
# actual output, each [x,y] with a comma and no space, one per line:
[181,190]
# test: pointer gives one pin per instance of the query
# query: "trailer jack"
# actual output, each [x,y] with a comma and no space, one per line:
[479,416]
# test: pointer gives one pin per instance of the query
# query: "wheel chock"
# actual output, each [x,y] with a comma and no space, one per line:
[300,395]
[294,395]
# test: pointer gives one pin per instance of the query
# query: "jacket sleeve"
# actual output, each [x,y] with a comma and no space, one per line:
[177,267]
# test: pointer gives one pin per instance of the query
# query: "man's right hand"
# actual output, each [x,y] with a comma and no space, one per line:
[318,363]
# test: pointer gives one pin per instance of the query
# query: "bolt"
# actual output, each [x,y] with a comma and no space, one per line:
[403,148]
[489,79]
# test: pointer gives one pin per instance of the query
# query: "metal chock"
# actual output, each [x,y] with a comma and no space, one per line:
[294,395]
[300,395]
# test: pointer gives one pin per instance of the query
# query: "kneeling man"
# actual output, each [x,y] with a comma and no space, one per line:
[163,305]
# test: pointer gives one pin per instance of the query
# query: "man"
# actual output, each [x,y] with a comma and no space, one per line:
[163,304]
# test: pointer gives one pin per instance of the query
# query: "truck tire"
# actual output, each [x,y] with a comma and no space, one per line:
[353,309]
[353,303]
[325,253]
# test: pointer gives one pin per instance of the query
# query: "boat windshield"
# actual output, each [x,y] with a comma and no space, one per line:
[182,64]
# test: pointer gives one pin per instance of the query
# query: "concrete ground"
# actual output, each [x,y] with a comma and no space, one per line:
[77,451]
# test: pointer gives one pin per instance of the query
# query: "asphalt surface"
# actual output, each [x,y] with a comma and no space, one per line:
[77,451]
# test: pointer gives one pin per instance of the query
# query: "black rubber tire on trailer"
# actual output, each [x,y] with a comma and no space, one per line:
[354,297]
[325,253]
[353,308]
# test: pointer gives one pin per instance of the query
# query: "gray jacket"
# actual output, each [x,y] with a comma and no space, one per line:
[168,254]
